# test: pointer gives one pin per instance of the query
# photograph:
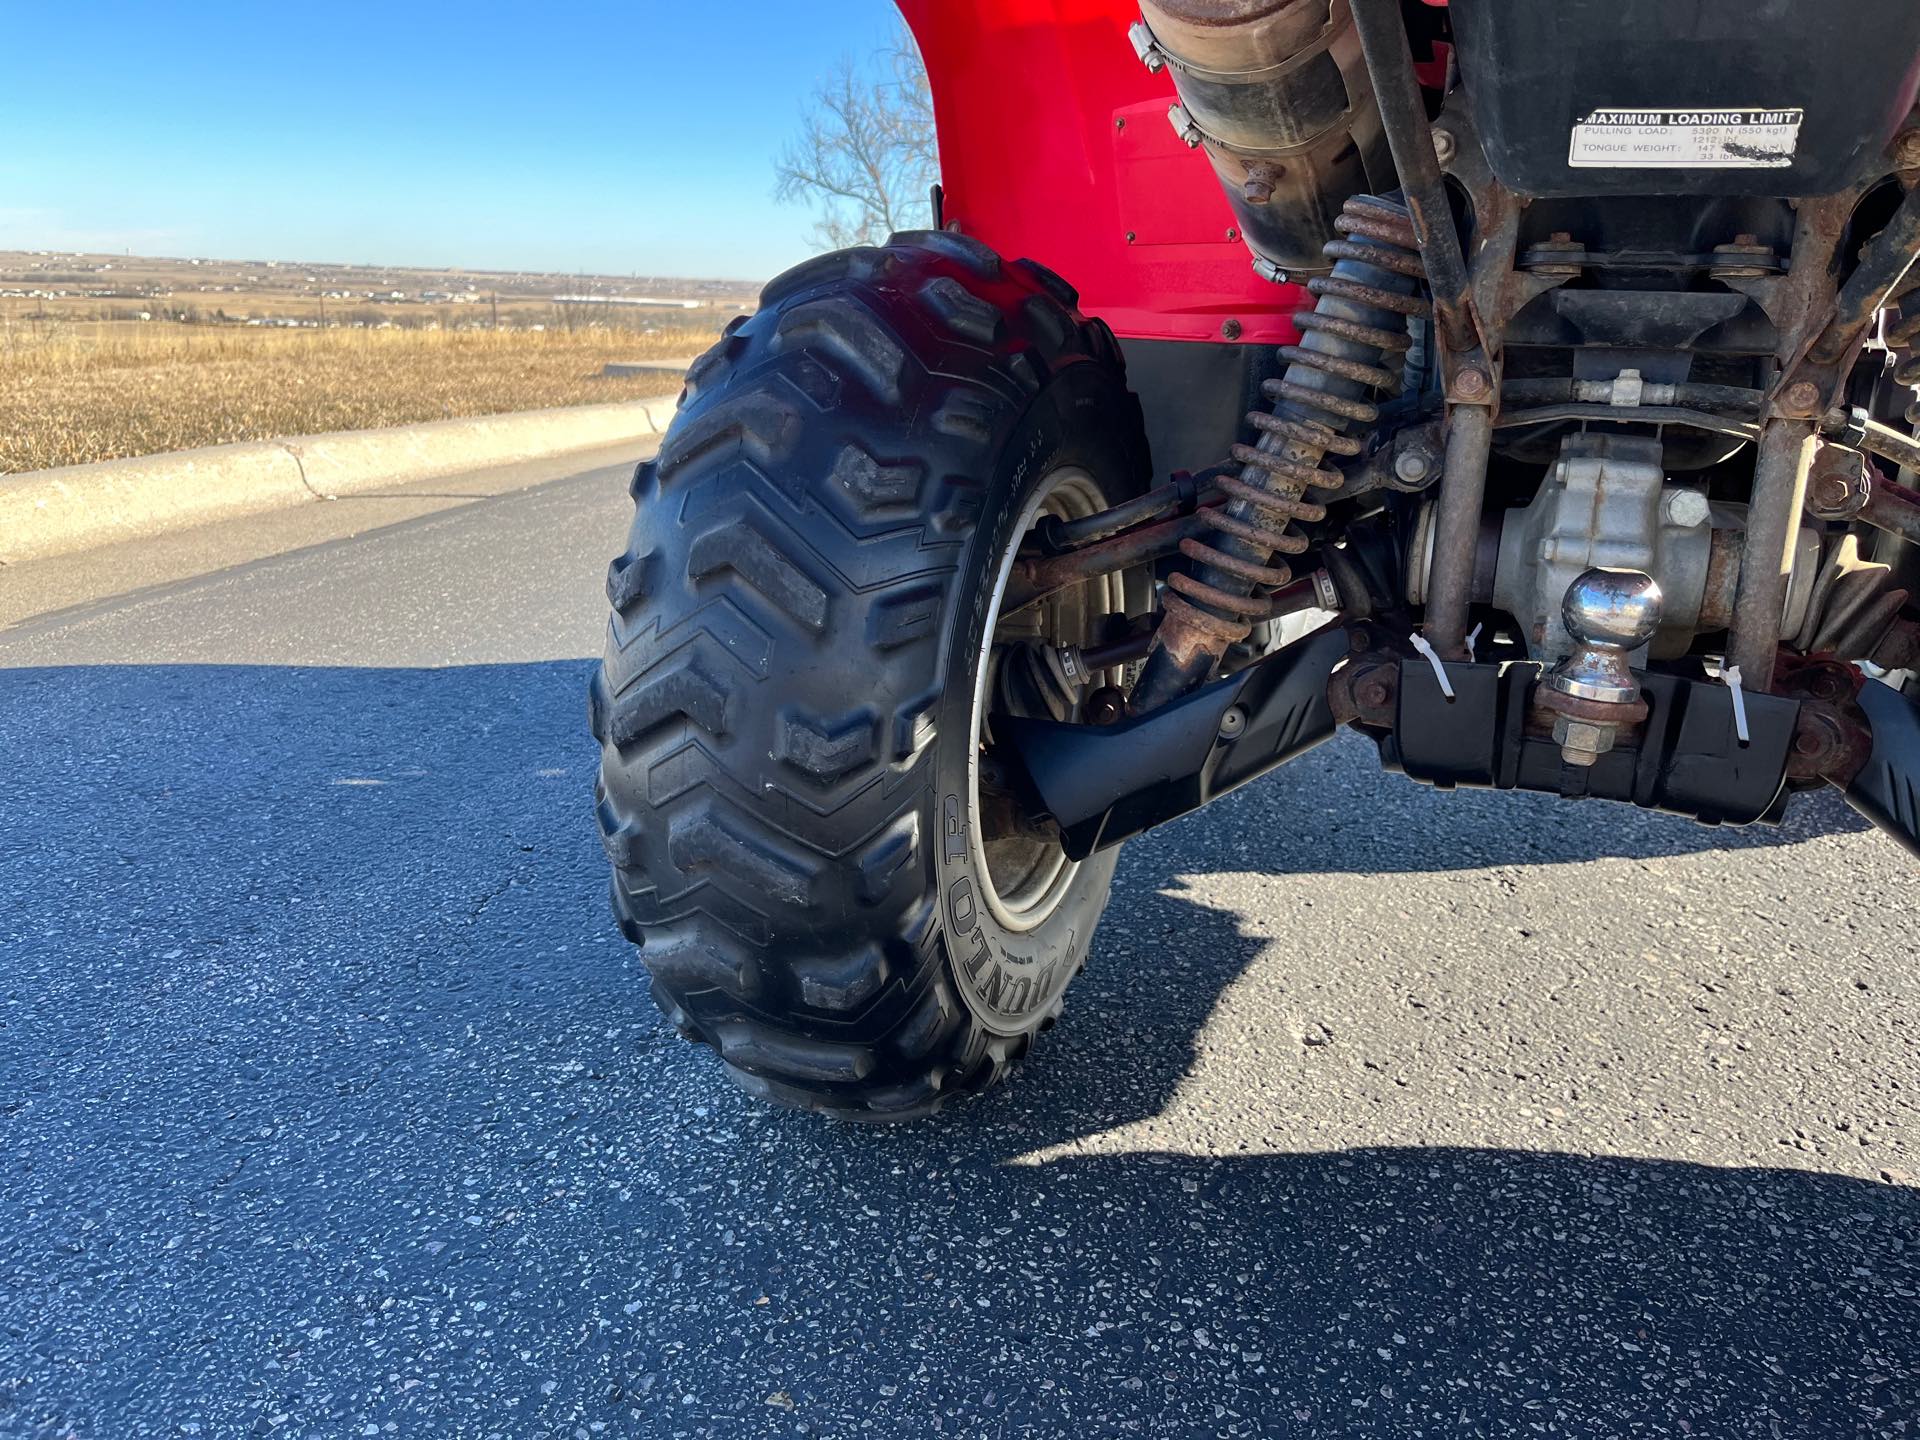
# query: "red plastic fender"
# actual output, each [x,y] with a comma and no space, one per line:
[1055,144]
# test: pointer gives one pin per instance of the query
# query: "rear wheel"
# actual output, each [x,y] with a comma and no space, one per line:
[812,842]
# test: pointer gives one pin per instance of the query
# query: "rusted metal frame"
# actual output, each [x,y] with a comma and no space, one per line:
[1035,577]
[1892,508]
[1782,459]
[1844,486]
[1181,496]
[1387,468]
[1798,304]
[1855,427]
[1403,115]
[1831,736]
[1456,528]
[1472,407]
[1820,329]
[1884,263]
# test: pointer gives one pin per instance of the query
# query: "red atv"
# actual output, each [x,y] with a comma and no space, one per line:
[1522,383]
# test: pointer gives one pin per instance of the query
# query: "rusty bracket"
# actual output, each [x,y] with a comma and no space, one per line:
[1831,738]
[1411,138]
[1825,344]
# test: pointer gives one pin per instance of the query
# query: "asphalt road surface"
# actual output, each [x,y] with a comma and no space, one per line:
[334,1105]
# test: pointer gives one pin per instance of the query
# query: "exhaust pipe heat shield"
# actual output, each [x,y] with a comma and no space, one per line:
[1105,784]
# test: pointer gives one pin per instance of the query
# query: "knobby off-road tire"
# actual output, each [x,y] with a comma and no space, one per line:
[785,707]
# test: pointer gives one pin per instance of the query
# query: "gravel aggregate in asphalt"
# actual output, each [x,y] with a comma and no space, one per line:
[335,1106]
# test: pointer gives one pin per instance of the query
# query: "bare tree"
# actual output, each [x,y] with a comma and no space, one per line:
[865,157]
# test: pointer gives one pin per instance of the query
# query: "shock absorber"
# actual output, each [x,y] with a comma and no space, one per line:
[1352,343]
[1902,333]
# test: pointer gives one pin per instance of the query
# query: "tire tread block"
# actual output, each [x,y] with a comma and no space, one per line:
[743,549]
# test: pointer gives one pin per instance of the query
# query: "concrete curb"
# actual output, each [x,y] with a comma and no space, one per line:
[56,512]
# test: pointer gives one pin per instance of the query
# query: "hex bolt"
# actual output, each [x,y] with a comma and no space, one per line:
[1828,492]
[1373,693]
[1412,467]
[1470,384]
[1689,509]
[1906,151]
[1582,742]
[1230,329]
[1445,147]
[1801,396]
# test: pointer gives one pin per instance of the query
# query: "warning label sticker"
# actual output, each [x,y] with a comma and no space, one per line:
[1685,139]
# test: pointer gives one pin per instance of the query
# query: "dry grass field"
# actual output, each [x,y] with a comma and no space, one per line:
[79,392]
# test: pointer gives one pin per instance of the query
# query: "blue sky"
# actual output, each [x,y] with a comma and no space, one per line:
[572,136]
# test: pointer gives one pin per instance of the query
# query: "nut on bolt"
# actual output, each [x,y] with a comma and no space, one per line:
[1561,242]
[1827,492]
[1581,742]
[1906,151]
[1445,147]
[1801,397]
[1837,484]
[1106,706]
[1741,260]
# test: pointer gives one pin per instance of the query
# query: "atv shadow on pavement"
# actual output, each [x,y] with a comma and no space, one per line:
[330,1095]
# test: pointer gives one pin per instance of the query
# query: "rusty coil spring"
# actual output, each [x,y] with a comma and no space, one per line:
[1268,496]
[1903,330]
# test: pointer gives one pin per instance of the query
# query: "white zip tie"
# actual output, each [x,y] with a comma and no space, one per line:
[1433,659]
[1473,637]
[1732,676]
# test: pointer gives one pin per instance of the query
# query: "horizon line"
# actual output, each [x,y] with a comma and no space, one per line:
[378,265]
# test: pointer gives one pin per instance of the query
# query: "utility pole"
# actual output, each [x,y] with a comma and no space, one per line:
[493,303]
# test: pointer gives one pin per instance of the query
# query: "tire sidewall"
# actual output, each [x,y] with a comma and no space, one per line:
[1012,981]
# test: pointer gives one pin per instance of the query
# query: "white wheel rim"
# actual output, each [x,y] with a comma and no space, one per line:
[1024,903]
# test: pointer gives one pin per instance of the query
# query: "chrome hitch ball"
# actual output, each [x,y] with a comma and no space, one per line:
[1593,692]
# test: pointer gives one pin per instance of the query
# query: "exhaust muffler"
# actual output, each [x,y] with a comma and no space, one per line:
[1276,93]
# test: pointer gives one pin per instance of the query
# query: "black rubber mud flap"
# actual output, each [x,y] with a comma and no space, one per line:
[1887,789]
[1105,784]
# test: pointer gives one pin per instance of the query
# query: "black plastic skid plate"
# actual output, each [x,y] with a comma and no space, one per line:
[1690,761]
